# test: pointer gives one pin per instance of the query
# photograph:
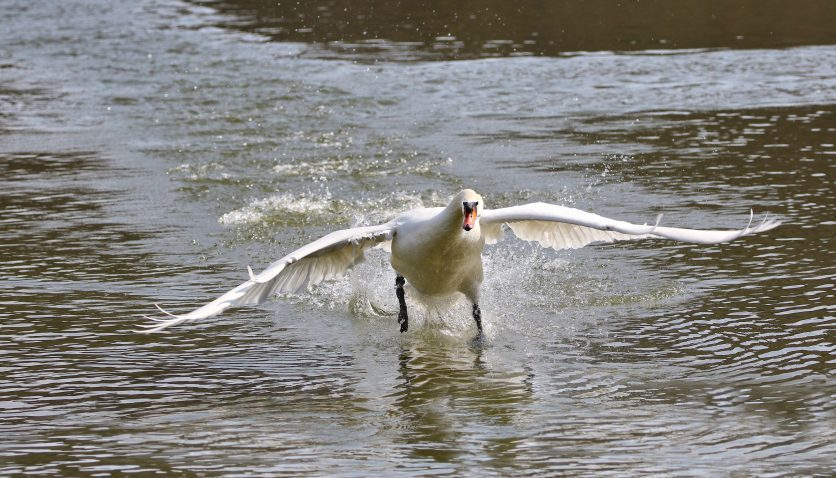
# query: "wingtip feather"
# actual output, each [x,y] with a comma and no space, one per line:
[165,311]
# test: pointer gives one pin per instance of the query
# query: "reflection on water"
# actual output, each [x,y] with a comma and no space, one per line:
[419,30]
[150,151]
[444,391]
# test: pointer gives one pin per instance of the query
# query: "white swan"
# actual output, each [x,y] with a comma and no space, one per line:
[439,250]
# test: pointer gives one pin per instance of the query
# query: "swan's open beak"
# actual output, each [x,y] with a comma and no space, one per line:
[469,215]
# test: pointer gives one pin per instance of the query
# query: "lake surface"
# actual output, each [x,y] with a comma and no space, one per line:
[151,150]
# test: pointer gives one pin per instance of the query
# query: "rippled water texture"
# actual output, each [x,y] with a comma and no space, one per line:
[150,151]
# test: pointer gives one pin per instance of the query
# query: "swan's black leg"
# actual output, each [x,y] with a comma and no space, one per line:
[403,318]
[477,316]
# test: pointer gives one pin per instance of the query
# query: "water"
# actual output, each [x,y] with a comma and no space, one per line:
[150,151]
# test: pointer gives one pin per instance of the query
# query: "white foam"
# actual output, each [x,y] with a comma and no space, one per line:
[200,172]
[323,207]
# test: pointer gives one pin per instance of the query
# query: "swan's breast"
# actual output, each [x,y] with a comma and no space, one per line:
[436,260]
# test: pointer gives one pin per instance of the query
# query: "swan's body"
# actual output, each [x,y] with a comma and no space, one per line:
[439,250]
[434,254]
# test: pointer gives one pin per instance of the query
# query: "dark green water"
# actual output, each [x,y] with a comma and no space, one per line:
[150,151]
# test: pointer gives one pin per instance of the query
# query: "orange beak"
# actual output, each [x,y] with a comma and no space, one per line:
[469,219]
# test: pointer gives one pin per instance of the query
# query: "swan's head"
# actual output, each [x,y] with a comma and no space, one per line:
[471,204]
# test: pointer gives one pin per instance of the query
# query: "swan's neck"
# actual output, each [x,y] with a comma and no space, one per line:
[451,221]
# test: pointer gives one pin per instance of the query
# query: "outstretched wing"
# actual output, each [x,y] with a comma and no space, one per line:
[562,227]
[322,259]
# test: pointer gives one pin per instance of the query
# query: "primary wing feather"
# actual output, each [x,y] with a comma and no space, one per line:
[561,227]
[320,260]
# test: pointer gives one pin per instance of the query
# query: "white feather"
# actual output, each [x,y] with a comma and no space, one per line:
[562,227]
[308,265]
